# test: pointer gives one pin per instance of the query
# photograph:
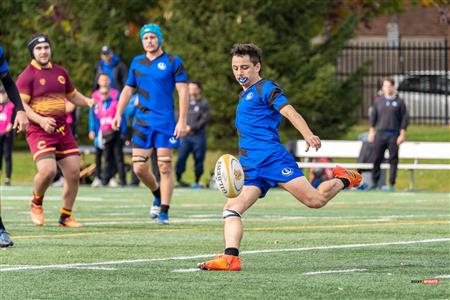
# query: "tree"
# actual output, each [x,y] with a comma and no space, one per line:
[77,30]
[203,34]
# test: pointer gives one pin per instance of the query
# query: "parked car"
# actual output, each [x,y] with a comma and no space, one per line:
[426,94]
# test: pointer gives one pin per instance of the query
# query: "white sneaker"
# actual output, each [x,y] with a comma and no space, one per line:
[154,211]
[113,183]
[59,182]
[97,182]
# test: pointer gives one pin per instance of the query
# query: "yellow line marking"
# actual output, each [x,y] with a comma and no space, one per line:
[281,228]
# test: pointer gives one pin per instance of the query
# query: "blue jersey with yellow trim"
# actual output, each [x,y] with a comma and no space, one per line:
[155,83]
[257,121]
[3,63]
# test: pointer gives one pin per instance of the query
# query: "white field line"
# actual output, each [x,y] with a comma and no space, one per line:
[95,268]
[149,260]
[197,219]
[442,276]
[186,270]
[334,271]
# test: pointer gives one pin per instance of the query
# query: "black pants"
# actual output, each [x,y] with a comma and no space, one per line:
[114,157]
[98,162]
[196,144]
[383,142]
[6,144]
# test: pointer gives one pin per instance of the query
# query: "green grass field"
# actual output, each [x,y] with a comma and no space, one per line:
[363,245]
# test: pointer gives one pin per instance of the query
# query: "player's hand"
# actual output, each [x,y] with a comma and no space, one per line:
[91,135]
[400,139]
[116,123]
[180,130]
[371,137]
[48,124]
[90,102]
[21,121]
[313,141]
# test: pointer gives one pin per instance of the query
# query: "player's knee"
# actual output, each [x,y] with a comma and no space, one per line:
[139,169]
[73,174]
[165,165]
[313,201]
[48,173]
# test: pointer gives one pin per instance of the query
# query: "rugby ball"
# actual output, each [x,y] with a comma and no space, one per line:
[229,176]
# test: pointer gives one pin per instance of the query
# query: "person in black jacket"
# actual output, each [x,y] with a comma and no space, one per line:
[195,140]
[388,123]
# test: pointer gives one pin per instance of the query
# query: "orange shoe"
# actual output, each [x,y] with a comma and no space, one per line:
[70,222]
[352,176]
[222,263]
[37,214]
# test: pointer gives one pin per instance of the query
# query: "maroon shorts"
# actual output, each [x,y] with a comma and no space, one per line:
[61,143]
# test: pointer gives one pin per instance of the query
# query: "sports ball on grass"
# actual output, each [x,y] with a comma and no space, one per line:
[229,175]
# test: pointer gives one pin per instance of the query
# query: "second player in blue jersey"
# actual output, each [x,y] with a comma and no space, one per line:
[154,76]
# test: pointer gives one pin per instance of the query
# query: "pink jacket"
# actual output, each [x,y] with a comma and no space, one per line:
[106,115]
[6,112]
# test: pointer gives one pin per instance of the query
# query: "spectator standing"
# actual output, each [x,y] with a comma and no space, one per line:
[111,64]
[195,140]
[388,123]
[6,133]
[110,141]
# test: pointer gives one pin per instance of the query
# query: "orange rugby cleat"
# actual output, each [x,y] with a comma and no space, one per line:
[352,176]
[37,214]
[222,263]
[70,222]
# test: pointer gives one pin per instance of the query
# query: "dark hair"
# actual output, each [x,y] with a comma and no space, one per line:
[388,79]
[253,51]
[197,83]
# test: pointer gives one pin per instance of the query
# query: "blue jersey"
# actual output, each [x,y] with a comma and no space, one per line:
[3,63]
[257,121]
[155,83]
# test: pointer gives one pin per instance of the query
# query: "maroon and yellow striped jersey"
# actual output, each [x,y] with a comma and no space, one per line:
[45,90]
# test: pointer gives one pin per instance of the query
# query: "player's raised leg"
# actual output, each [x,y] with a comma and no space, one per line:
[233,231]
[70,167]
[46,171]
[301,189]
[142,170]
[167,182]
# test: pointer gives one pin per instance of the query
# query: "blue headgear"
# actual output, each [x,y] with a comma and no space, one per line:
[153,28]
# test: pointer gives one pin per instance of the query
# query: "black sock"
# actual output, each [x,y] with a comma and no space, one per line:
[1,224]
[157,193]
[232,251]
[178,177]
[164,209]
[345,181]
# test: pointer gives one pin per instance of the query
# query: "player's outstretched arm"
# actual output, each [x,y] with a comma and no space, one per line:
[181,127]
[125,97]
[80,99]
[300,124]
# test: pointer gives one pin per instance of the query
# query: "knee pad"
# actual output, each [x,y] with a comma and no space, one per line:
[230,213]
[165,159]
[163,164]
[139,159]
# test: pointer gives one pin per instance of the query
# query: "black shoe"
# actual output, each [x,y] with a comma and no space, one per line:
[182,183]
[5,240]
